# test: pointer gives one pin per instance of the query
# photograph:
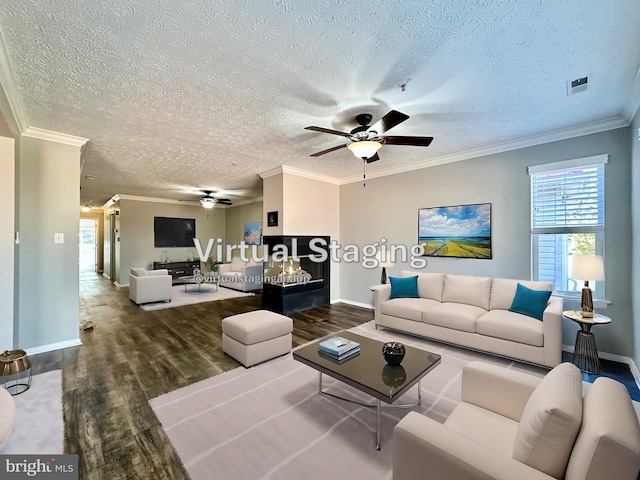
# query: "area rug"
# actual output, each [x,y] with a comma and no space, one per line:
[39,426]
[268,422]
[207,293]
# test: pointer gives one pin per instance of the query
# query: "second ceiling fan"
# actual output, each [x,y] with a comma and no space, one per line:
[366,140]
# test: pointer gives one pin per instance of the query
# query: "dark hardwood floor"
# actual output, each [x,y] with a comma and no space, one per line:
[131,356]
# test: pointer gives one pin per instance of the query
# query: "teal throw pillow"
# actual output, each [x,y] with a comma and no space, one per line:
[530,302]
[406,287]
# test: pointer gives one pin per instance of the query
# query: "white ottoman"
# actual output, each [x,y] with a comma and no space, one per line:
[255,337]
[7,416]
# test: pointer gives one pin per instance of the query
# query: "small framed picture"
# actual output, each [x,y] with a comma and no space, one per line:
[272,219]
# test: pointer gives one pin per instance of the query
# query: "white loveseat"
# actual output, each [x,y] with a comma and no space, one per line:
[513,425]
[473,312]
[239,275]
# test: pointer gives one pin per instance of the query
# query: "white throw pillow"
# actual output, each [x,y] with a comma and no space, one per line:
[550,421]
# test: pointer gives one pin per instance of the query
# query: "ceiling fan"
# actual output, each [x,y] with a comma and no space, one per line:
[366,140]
[208,200]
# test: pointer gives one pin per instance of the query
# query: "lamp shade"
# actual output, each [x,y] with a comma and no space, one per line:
[364,149]
[587,267]
[387,262]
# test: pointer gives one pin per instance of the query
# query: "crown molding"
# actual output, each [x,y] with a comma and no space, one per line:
[633,101]
[18,113]
[195,203]
[41,134]
[586,129]
[298,172]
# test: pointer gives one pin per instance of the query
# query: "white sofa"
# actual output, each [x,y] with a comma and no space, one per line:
[513,425]
[239,275]
[7,416]
[146,286]
[473,312]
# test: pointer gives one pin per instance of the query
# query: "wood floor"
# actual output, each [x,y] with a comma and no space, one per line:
[131,356]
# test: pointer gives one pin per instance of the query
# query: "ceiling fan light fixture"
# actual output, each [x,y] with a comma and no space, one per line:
[364,149]
[207,202]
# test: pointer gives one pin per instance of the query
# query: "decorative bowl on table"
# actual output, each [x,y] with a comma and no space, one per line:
[393,352]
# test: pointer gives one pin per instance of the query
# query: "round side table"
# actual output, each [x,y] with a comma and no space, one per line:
[16,371]
[585,353]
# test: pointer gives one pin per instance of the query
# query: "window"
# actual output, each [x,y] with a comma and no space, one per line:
[567,217]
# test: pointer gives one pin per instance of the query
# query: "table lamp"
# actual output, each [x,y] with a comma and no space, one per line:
[587,267]
[386,263]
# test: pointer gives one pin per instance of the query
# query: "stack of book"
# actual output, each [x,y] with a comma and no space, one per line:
[338,348]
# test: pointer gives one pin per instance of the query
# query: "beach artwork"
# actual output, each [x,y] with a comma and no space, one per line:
[462,231]
[253,233]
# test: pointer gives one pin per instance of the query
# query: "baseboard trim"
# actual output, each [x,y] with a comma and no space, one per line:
[53,346]
[351,302]
[616,358]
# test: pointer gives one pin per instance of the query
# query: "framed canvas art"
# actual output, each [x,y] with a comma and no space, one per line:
[460,231]
[253,233]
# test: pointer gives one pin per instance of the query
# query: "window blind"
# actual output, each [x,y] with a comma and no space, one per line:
[568,200]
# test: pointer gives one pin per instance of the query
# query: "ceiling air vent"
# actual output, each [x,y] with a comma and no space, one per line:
[577,85]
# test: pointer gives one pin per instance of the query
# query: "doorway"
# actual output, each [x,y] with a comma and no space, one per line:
[88,245]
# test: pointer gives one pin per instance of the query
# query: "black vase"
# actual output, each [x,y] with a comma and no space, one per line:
[393,352]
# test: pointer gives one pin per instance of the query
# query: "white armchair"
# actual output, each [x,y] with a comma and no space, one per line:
[239,275]
[146,286]
[512,425]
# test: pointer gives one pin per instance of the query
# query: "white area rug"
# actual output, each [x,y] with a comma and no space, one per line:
[269,421]
[207,293]
[39,427]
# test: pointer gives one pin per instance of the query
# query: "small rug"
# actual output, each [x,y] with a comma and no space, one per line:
[39,426]
[270,422]
[207,293]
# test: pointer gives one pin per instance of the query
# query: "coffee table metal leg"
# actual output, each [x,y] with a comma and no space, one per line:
[378,405]
[378,411]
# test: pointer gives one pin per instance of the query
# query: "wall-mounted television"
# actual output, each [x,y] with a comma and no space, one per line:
[173,232]
[461,231]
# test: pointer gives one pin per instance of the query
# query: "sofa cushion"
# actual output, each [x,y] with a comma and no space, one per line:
[608,444]
[409,308]
[530,302]
[467,289]
[511,326]
[550,421]
[237,264]
[430,285]
[503,290]
[457,316]
[406,287]
[138,272]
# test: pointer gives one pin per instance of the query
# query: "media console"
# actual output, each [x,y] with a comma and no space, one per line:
[178,269]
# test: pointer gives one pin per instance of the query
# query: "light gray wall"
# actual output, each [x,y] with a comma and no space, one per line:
[273,202]
[635,215]
[136,232]
[236,217]
[388,207]
[48,285]
[7,246]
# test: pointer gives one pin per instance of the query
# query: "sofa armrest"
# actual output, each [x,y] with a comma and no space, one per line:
[157,273]
[224,268]
[253,272]
[381,293]
[424,448]
[498,389]
[552,331]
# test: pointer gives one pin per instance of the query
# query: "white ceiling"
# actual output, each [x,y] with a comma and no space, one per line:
[175,95]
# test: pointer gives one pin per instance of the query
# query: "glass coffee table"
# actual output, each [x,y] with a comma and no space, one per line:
[198,279]
[369,373]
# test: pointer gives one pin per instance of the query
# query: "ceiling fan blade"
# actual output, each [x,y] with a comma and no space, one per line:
[332,149]
[389,121]
[223,201]
[415,141]
[328,130]
[375,158]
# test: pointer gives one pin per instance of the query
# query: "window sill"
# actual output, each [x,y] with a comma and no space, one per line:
[597,303]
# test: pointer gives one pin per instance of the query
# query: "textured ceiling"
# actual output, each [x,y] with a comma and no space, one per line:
[210,93]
